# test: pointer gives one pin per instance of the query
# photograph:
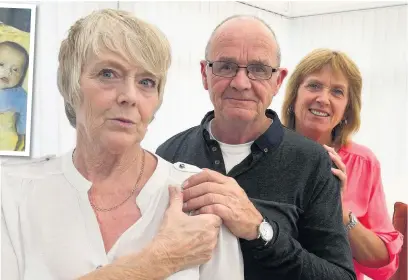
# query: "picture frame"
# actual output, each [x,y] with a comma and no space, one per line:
[17,55]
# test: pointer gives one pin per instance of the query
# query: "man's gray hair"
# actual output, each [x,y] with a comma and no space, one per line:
[207,48]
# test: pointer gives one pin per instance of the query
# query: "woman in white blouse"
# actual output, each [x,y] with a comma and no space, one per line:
[105,210]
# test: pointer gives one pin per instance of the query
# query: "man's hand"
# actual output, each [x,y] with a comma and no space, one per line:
[210,192]
[184,241]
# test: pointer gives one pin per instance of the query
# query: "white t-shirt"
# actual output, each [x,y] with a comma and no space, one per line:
[50,231]
[232,154]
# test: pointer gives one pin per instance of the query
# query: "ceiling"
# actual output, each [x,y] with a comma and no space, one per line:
[308,8]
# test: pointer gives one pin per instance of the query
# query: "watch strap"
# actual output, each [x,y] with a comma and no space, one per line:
[352,222]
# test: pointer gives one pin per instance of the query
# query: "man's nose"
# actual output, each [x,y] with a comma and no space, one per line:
[241,82]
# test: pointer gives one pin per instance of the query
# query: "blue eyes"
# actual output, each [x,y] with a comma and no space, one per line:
[313,86]
[317,87]
[108,74]
[148,83]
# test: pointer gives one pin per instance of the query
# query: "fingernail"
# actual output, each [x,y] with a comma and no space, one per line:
[185,183]
[184,204]
[173,189]
[171,192]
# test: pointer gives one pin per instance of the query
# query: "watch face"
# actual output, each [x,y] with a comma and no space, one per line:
[266,231]
[353,218]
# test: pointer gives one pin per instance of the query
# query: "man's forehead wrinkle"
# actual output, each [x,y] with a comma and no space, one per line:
[262,48]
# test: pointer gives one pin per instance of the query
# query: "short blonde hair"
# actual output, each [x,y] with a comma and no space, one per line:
[340,63]
[117,31]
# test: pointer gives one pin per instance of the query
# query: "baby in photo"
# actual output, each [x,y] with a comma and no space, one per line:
[13,98]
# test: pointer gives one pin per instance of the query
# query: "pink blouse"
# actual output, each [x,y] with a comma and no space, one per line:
[365,197]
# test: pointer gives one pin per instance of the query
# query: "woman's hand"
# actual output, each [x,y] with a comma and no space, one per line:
[342,175]
[184,240]
[341,171]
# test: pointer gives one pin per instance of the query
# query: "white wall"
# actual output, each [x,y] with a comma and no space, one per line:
[305,8]
[375,39]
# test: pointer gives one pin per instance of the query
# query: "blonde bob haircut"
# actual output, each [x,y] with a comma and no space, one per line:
[340,63]
[137,41]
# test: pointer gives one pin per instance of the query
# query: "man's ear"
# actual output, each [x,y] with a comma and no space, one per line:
[203,65]
[282,73]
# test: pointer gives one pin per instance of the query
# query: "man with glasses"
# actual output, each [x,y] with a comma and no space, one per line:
[272,187]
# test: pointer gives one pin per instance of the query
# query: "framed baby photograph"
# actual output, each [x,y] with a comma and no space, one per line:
[17,43]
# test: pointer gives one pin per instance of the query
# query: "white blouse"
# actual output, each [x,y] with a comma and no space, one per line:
[50,231]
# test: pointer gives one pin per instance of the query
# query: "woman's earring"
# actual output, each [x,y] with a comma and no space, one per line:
[290,110]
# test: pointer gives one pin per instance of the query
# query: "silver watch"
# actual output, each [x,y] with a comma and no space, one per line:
[265,232]
[353,221]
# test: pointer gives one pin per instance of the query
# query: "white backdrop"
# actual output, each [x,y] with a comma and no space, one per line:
[376,39]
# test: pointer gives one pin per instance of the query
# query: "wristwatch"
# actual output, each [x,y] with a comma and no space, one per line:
[353,221]
[265,233]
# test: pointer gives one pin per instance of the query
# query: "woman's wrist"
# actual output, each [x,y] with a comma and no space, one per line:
[141,263]
[346,217]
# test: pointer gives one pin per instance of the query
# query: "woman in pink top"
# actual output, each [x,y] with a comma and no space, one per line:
[323,102]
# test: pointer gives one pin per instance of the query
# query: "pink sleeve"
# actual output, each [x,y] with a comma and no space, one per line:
[378,221]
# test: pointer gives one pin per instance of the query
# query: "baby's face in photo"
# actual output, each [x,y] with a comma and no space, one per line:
[11,66]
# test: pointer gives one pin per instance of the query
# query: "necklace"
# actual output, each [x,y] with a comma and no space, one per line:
[130,195]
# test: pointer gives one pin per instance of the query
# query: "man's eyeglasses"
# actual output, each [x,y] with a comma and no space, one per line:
[230,69]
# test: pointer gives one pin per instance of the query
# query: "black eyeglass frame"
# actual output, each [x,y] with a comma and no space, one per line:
[211,63]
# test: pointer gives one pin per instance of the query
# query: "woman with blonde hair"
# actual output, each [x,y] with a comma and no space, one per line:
[323,103]
[104,210]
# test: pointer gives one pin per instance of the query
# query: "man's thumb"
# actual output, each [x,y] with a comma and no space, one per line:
[176,197]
